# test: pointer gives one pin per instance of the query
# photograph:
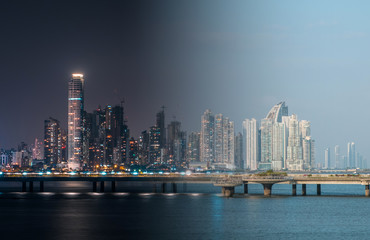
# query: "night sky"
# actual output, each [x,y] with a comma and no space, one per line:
[238,58]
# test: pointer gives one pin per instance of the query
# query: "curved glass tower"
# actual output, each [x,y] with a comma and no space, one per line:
[75,121]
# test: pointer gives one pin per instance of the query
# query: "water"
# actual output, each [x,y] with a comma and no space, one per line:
[71,212]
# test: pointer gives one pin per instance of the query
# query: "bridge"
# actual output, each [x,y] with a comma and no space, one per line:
[269,181]
[226,182]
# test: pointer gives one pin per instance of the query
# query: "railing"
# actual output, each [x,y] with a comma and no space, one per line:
[269,177]
[228,181]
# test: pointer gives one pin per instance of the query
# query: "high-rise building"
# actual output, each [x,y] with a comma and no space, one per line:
[351,155]
[337,163]
[308,147]
[160,123]
[52,142]
[239,145]
[266,144]
[251,144]
[75,121]
[327,158]
[193,151]
[273,138]
[154,145]
[38,151]
[294,148]
[176,144]
[207,138]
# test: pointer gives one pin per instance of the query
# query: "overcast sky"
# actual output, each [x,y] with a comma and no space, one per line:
[238,58]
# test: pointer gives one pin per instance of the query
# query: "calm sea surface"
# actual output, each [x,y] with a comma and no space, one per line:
[69,211]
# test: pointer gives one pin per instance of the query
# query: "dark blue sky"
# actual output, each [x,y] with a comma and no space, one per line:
[238,58]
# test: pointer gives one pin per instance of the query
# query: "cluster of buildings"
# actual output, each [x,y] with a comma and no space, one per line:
[101,140]
[350,160]
[277,142]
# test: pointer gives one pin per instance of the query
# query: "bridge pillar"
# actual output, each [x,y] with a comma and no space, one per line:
[267,189]
[102,186]
[154,188]
[294,189]
[163,187]
[228,191]
[318,189]
[24,186]
[246,188]
[41,186]
[113,186]
[31,186]
[95,186]
[303,189]
[174,188]
[184,189]
[367,192]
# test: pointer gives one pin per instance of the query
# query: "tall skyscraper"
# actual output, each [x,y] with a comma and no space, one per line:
[337,164]
[52,142]
[160,123]
[251,140]
[193,151]
[351,155]
[294,148]
[207,138]
[75,121]
[154,145]
[327,159]
[239,162]
[273,138]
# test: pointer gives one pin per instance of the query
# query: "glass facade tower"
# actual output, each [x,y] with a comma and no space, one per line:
[75,121]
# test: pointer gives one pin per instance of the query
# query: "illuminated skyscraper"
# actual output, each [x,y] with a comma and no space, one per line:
[52,142]
[75,121]
[207,138]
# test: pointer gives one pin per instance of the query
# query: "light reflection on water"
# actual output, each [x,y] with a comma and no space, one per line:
[340,213]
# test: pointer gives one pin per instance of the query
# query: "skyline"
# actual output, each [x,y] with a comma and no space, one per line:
[253,58]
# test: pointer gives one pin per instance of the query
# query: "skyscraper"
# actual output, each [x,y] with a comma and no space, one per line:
[160,123]
[337,164]
[327,158]
[250,139]
[207,138]
[294,148]
[52,142]
[239,151]
[75,121]
[351,155]
[273,138]
[193,151]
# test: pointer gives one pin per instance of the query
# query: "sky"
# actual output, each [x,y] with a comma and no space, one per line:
[238,58]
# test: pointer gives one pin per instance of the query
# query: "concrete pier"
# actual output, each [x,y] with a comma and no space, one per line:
[294,189]
[174,188]
[246,188]
[163,187]
[154,188]
[267,189]
[367,192]
[102,186]
[95,186]
[319,189]
[24,186]
[304,192]
[113,186]
[41,186]
[228,191]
